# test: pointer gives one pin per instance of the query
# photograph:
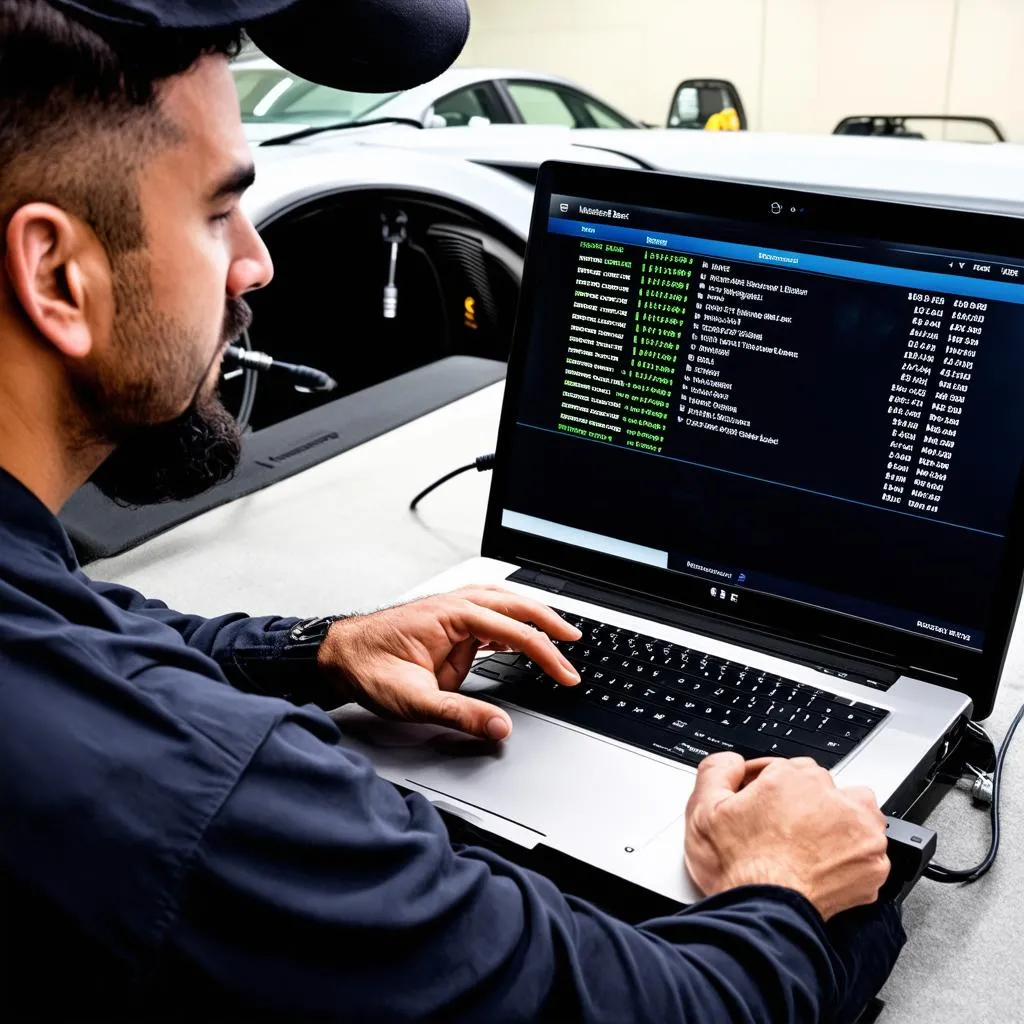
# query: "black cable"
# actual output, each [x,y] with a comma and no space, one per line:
[249,382]
[949,876]
[449,339]
[481,465]
[979,731]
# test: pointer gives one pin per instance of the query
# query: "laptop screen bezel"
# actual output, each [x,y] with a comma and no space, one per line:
[973,672]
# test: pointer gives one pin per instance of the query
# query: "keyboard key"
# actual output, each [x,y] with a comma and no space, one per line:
[827,708]
[840,747]
[507,673]
[783,748]
[841,728]
[855,716]
[878,713]
[691,753]
[676,662]
[737,739]
[505,658]
[814,740]
[488,669]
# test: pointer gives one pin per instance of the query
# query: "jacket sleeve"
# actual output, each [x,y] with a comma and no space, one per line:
[247,649]
[319,891]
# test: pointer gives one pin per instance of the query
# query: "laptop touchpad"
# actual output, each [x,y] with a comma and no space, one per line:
[561,782]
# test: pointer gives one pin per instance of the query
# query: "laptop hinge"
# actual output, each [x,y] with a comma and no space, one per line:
[832,661]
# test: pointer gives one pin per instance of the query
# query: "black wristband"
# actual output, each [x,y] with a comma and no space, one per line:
[288,668]
[306,637]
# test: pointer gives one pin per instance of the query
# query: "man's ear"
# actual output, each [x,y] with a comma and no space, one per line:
[49,259]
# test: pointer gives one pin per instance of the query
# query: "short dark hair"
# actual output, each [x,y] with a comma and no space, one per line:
[79,112]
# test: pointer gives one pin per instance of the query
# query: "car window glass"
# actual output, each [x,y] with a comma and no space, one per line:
[251,86]
[541,104]
[276,95]
[475,101]
[602,116]
[687,107]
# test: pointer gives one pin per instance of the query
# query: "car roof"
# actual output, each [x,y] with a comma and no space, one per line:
[452,78]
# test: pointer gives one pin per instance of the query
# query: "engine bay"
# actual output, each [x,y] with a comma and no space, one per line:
[456,284]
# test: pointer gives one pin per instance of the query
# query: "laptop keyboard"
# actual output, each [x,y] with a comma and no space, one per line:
[682,703]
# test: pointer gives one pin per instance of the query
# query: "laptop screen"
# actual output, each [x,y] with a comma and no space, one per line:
[769,407]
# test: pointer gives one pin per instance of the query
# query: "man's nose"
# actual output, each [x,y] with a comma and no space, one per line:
[252,268]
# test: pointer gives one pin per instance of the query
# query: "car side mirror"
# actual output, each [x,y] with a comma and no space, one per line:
[433,120]
[707,103]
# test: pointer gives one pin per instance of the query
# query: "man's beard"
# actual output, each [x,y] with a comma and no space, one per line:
[179,459]
[174,461]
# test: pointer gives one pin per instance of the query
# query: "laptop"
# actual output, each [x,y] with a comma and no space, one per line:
[764,448]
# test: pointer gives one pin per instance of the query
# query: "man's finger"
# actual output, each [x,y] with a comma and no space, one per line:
[457,711]
[525,609]
[494,627]
[453,672]
[718,776]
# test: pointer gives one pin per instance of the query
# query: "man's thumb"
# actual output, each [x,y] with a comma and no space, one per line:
[457,711]
[718,776]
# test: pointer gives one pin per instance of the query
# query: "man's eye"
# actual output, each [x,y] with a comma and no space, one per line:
[219,218]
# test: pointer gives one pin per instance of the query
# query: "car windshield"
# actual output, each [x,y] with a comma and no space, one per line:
[276,95]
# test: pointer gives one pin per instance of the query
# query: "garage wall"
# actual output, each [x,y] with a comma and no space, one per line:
[987,73]
[800,65]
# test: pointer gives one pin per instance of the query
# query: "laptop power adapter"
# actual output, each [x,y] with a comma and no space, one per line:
[911,849]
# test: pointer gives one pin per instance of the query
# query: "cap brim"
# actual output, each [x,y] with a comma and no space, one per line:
[363,45]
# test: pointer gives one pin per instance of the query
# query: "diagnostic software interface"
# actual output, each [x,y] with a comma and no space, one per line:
[834,421]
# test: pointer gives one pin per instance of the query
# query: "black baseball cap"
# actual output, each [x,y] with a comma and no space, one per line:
[363,45]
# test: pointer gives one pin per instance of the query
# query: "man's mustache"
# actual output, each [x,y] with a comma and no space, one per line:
[237,318]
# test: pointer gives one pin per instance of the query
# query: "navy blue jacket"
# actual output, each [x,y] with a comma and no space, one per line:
[173,846]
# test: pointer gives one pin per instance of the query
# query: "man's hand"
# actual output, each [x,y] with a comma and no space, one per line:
[409,662]
[785,823]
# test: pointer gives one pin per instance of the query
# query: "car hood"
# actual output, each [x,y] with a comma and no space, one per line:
[941,173]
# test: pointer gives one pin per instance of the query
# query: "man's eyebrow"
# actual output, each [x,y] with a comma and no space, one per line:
[234,184]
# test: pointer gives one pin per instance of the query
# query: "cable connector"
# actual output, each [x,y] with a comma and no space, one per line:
[986,787]
[305,378]
[481,464]
[979,785]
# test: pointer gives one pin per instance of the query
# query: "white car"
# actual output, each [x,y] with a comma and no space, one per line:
[275,101]
[324,205]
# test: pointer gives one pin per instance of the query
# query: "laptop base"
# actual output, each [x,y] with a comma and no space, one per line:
[634,904]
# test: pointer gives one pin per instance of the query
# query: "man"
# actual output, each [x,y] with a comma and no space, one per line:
[182,833]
